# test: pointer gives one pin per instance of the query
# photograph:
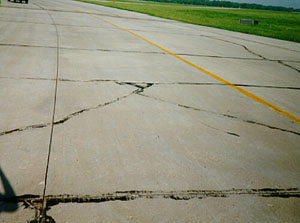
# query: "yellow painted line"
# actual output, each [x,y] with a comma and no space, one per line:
[241,90]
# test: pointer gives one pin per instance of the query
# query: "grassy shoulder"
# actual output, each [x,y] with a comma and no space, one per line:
[279,25]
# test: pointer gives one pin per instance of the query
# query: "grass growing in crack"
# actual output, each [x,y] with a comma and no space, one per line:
[279,25]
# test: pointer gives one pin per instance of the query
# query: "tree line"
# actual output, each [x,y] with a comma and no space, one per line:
[229,4]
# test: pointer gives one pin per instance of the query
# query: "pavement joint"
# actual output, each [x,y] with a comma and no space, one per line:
[43,216]
[120,82]
[26,45]
[160,53]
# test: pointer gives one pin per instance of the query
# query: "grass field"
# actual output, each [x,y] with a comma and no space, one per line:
[279,25]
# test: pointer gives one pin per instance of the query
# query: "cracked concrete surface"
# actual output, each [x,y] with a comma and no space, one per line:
[137,135]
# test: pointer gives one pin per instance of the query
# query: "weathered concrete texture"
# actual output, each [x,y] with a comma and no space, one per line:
[234,209]
[23,161]
[65,18]
[27,62]
[25,103]
[28,34]
[95,38]
[24,16]
[20,215]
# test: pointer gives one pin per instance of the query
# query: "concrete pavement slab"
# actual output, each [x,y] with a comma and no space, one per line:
[142,145]
[273,52]
[233,209]
[215,102]
[76,19]
[28,34]
[18,216]
[76,96]
[23,161]
[95,38]
[27,62]
[249,72]
[127,66]
[288,99]
[25,103]
[199,45]
[24,15]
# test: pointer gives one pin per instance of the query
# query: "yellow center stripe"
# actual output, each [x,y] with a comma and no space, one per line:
[241,90]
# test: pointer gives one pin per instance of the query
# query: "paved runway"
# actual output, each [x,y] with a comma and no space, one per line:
[114,116]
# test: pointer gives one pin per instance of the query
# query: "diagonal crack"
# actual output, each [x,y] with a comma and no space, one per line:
[251,52]
[241,45]
[207,125]
[223,115]
[29,127]
[74,114]
[287,65]
[140,89]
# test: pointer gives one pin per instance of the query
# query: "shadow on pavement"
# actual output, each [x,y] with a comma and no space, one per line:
[8,192]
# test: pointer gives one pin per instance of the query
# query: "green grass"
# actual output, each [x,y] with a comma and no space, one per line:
[279,25]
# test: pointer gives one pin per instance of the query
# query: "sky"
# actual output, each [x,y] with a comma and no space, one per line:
[285,3]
